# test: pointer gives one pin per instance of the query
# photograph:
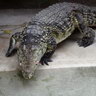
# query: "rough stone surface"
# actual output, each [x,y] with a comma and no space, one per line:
[53,82]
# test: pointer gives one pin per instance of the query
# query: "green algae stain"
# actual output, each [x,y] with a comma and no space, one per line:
[1,93]
[49,91]
[34,78]
[48,79]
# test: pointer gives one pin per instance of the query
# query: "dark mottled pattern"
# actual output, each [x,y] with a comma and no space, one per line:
[38,40]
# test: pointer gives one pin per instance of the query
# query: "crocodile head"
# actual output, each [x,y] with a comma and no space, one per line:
[29,53]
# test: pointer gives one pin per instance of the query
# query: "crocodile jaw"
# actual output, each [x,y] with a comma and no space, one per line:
[29,58]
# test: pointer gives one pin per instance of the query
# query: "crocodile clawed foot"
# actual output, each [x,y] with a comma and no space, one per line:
[85,41]
[45,61]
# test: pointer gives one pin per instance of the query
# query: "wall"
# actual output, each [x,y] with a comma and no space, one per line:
[4,4]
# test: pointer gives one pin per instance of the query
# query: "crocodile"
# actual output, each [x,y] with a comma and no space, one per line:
[39,39]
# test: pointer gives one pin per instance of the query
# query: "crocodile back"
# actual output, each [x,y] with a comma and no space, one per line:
[56,12]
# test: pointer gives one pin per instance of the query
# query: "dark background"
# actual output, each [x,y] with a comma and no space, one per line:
[5,4]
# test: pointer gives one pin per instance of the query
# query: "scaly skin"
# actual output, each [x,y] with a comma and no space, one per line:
[38,41]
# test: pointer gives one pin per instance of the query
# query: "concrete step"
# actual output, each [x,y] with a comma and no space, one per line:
[53,82]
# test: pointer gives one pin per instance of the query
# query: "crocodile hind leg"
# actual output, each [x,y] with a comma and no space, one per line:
[88,33]
[88,37]
[49,52]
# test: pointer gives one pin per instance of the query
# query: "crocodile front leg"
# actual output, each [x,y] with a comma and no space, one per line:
[50,50]
[46,58]
[13,44]
[88,33]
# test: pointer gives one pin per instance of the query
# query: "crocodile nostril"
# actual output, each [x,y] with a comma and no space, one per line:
[27,75]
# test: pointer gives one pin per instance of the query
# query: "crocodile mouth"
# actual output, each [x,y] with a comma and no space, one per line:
[27,76]
[29,73]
